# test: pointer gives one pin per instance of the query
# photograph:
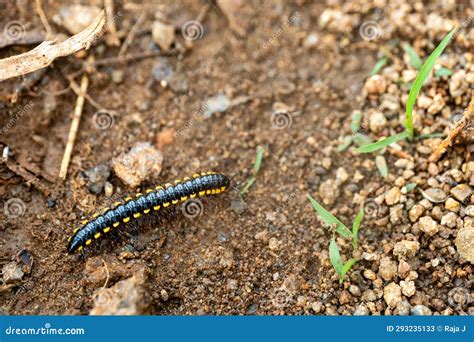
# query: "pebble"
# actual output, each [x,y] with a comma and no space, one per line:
[108,189]
[75,18]
[117,76]
[392,294]
[329,191]
[369,296]
[216,104]
[96,177]
[361,310]
[420,310]
[12,272]
[370,256]
[469,210]
[163,34]
[403,308]
[142,161]
[406,249]
[341,176]
[415,212]
[377,121]
[273,244]
[461,192]
[452,205]
[428,225]
[465,241]
[393,196]
[316,307]
[369,274]
[449,220]
[404,269]
[408,287]
[354,290]
[375,84]
[434,195]
[387,268]
[126,297]
[164,295]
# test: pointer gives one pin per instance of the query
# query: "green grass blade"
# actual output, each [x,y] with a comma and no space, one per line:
[355,227]
[409,187]
[378,66]
[431,135]
[356,119]
[329,219]
[346,142]
[384,142]
[347,266]
[415,60]
[441,72]
[335,257]
[247,186]
[258,160]
[361,139]
[420,78]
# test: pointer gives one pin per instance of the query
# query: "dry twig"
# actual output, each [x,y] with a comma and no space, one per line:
[109,9]
[130,57]
[45,53]
[76,118]
[460,125]
[44,20]
[131,34]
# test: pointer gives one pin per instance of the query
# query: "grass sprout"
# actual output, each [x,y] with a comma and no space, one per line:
[384,142]
[355,227]
[256,168]
[336,261]
[379,65]
[381,164]
[415,60]
[330,219]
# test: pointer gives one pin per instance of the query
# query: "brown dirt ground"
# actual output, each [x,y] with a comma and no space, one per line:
[260,261]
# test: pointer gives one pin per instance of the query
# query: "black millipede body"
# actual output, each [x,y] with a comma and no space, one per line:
[209,183]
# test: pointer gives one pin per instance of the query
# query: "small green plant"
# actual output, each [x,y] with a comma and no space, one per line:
[336,261]
[415,60]
[412,96]
[256,168]
[379,65]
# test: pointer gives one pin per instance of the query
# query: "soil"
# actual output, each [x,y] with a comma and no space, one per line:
[264,252]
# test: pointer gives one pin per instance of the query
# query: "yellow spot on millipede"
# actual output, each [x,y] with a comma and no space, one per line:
[157,207]
[218,191]
[97,235]
[223,188]
[159,187]
[139,195]
[184,198]
[186,178]
[177,181]
[128,199]
[126,219]
[80,248]
[88,242]
[116,204]
[148,191]
[167,185]
[84,222]
[136,215]
[95,215]
[75,230]
[146,211]
[68,240]
[174,201]
[192,195]
[202,193]
[106,230]
[115,224]
[166,204]
[208,192]
[196,175]
[213,191]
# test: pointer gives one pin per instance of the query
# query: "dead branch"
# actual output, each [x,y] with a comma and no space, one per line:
[45,53]
[448,141]
[109,9]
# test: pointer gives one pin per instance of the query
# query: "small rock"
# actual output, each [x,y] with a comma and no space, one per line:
[117,76]
[75,18]
[404,269]
[406,248]
[370,256]
[434,195]
[12,272]
[461,192]
[216,104]
[452,205]
[361,310]
[377,121]
[449,220]
[108,189]
[469,210]
[369,296]
[316,306]
[392,294]
[387,268]
[164,295]
[354,290]
[408,288]
[273,244]
[97,176]
[138,164]
[420,310]
[415,212]
[329,191]
[369,274]
[465,241]
[428,225]
[126,297]
[344,297]
[162,70]
[393,196]
[375,84]
[402,309]
[311,40]
[341,176]
[163,34]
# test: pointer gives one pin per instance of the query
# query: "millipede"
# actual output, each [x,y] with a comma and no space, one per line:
[161,197]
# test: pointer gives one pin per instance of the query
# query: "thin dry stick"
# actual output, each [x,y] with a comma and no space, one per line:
[45,53]
[130,57]
[75,88]
[109,9]
[131,34]
[448,141]
[76,118]
[44,20]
